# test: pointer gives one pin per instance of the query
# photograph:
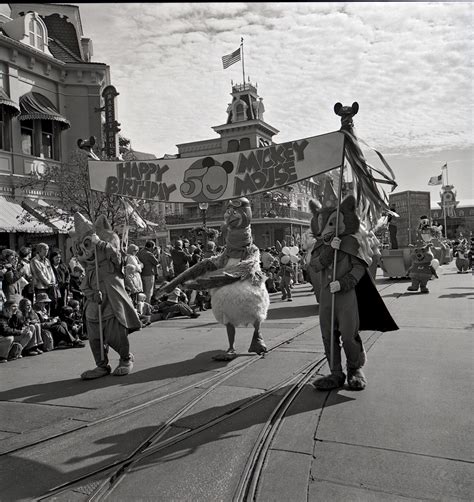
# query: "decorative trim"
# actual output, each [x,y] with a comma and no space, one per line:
[31,62]
[47,68]
[13,55]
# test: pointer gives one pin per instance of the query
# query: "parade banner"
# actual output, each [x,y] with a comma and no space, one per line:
[219,177]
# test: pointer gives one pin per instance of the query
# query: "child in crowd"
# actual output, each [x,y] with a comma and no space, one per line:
[287,275]
[42,340]
[75,280]
[77,316]
[144,309]
[59,330]
[270,282]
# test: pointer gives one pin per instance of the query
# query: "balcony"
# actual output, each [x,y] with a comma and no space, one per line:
[215,215]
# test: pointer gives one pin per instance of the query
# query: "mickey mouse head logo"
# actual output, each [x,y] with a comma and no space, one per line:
[206,179]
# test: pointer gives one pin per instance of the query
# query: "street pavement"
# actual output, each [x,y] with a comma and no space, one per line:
[407,436]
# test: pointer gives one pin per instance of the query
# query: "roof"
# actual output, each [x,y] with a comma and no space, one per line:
[61,52]
[15,219]
[60,29]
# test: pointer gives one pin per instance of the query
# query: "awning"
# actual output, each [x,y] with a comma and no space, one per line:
[35,106]
[10,105]
[15,219]
[44,212]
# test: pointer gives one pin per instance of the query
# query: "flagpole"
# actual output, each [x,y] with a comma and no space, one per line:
[444,203]
[243,66]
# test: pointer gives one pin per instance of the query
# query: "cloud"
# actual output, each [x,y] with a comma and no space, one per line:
[408,64]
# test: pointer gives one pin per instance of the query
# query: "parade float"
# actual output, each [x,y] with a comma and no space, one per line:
[407,225]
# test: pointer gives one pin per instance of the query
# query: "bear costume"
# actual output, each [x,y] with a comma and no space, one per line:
[358,305]
[118,315]
[421,270]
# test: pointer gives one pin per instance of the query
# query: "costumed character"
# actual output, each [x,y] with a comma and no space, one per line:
[108,310]
[424,229]
[234,279]
[422,268]
[357,303]
[462,258]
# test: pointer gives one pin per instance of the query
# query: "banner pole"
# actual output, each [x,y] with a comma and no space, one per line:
[101,334]
[334,266]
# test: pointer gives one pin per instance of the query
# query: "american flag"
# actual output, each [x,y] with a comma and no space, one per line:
[230,59]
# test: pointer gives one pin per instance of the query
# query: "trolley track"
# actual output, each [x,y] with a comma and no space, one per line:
[116,471]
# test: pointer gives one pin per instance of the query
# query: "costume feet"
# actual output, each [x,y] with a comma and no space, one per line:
[258,346]
[412,288]
[97,372]
[424,290]
[329,382]
[124,367]
[225,356]
[356,379]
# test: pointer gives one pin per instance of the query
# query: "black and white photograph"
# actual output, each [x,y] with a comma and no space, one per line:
[236,251]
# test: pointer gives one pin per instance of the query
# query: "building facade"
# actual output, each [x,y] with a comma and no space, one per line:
[50,96]
[457,216]
[281,215]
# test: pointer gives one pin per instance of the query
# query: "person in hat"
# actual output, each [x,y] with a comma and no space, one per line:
[107,306]
[13,279]
[12,340]
[60,333]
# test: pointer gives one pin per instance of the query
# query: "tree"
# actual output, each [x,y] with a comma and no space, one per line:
[70,182]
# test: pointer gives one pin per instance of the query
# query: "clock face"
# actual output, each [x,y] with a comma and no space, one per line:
[448,197]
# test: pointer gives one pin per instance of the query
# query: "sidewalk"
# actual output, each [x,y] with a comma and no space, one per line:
[407,436]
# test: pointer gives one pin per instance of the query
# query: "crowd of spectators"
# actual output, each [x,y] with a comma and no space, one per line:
[41,299]
[38,311]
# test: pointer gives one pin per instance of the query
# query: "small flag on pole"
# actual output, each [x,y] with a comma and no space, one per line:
[436,180]
[230,59]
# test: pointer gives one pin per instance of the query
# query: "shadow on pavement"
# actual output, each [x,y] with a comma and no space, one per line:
[38,393]
[469,295]
[290,312]
[42,477]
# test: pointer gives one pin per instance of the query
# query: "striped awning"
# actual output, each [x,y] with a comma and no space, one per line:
[58,219]
[35,106]
[15,219]
[9,104]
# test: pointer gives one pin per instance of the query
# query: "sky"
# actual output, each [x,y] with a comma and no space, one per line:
[409,65]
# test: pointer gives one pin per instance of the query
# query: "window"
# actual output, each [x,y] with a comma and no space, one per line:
[40,138]
[27,137]
[5,119]
[36,34]
[461,212]
[239,113]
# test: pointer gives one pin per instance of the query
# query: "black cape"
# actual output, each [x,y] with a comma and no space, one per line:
[373,313]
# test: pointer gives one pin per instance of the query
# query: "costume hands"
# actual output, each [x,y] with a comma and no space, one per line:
[334,286]
[98,297]
[335,243]
[95,239]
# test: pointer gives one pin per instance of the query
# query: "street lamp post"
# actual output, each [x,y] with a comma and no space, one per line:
[204,206]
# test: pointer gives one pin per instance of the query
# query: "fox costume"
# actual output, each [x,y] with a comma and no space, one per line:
[119,317]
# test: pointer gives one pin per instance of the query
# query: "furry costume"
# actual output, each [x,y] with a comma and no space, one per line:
[462,257]
[421,270]
[358,305]
[119,317]
[234,278]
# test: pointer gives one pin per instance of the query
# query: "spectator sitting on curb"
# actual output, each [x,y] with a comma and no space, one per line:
[175,304]
[13,341]
[144,309]
[58,328]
